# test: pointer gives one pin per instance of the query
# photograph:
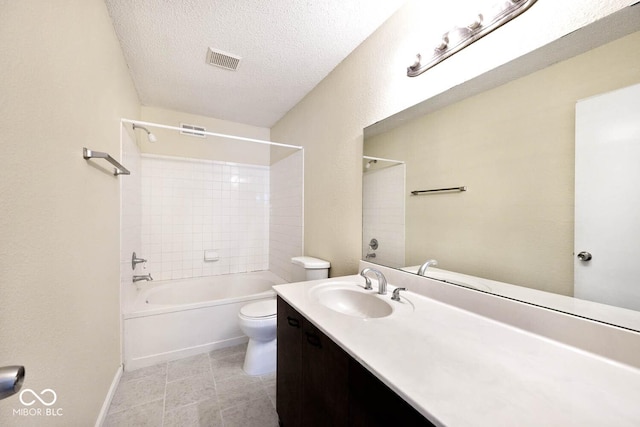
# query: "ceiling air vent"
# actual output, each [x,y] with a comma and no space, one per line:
[223,59]
[192,130]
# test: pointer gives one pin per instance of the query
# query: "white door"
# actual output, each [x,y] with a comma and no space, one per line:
[607,216]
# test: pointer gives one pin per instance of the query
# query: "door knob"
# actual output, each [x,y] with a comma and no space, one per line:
[584,256]
[11,379]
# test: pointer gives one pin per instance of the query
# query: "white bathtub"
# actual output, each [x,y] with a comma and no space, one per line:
[179,318]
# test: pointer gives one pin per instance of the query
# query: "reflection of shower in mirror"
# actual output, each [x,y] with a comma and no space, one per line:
[383,206]
[373,245]
[371,163]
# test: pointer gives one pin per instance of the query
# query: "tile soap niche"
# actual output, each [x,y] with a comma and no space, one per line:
[211,255]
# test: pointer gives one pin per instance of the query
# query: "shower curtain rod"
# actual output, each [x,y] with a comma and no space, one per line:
[222,135]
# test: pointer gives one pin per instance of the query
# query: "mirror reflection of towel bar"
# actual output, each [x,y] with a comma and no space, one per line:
[437,190]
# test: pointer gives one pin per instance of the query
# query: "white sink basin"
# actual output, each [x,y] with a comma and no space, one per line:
[352,300]
[354,303]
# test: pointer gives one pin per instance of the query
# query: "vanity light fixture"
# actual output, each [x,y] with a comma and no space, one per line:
[458,38]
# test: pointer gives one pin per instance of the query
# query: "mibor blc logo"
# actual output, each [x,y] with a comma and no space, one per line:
[46,398]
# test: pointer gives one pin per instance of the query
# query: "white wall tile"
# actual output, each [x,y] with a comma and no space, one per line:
[190,205]
[173,209]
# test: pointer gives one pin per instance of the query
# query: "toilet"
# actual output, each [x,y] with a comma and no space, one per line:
[258,322]
[258,319]
[306,268]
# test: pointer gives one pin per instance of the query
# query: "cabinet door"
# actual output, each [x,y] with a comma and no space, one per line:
[325,375]
[289,370]
[373,404]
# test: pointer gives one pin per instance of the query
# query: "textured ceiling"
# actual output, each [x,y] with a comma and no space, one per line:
[287,48]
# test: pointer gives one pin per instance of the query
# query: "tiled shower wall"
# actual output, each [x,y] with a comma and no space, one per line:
[286,214]
[191,206]
[383,211]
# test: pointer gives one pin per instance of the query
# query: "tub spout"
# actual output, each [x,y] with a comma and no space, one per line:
[146,277]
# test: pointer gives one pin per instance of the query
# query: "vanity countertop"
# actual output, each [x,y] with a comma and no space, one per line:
[458,368]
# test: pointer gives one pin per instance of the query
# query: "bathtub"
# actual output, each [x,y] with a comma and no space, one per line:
[179,318]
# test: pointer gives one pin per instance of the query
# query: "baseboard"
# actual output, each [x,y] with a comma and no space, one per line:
[143,362]
[107,401]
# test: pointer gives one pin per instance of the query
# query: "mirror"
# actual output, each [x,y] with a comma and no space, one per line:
[508,138]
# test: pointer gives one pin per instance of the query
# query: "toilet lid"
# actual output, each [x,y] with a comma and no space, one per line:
[260,309]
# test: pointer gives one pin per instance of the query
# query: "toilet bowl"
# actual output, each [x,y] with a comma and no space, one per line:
[258,322]
[258,319]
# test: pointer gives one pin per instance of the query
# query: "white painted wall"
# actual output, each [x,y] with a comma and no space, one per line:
[64,85]
[371,84]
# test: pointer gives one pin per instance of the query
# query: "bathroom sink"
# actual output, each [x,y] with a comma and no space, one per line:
[352,300]
[354,303]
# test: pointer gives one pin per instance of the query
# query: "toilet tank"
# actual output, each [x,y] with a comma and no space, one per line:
[305,268]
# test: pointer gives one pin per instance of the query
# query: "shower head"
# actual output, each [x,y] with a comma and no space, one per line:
[151,137]
[374,161]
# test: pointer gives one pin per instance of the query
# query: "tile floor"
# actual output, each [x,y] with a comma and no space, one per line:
[209,389]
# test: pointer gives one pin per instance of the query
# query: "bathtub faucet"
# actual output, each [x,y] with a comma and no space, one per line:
[146,277]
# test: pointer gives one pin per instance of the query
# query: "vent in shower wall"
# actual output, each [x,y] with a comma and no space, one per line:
[192,130]
[222,59]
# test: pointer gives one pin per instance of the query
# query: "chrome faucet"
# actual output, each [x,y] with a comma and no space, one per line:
[396,293]
[382,281]
[427,264]
[146,277]
[367,281]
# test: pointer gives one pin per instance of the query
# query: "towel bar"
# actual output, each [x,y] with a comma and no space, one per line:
[90,154]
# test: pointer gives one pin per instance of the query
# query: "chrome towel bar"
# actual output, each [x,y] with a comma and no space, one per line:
[437,190]
[90,154]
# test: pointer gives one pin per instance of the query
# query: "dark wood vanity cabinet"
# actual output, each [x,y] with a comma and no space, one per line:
[289,362]
[319,384]
[312,377]
[325,374]
[372,403]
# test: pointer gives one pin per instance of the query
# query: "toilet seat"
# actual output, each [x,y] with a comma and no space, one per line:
[259,310]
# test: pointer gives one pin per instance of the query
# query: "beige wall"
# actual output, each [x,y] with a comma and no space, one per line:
[64,85]
[172,143]
[513,147]
[371,84]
